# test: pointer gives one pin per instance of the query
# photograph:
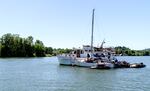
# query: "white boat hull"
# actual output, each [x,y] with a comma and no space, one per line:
[83,63]
[66,60]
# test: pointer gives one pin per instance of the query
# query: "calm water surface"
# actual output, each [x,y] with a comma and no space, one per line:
[45,74]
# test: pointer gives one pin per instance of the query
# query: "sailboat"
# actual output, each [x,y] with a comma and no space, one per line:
[88,56]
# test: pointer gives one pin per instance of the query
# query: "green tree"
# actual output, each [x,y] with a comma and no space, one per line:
[49,50]
[39,48]
[12,45]
[0,48]
[146,53]
[29,48]
[7,42]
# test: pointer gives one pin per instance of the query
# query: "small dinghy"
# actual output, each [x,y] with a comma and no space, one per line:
[121,64]
[137,65]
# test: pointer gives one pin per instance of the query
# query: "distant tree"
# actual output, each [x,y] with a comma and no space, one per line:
[129,52]
[7,42]
[49,50]
[0,48]
[133,53]
[67,50]
[122,50]
[39,48]
[29,48]
[12,45]
[146,53]
[61,51]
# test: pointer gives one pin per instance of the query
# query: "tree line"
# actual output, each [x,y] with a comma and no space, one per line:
[12,45]
[124,51]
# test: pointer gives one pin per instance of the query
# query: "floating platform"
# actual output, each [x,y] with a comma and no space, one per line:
[137,65]
[120,64]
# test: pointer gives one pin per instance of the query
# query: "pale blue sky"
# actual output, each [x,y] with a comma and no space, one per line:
[67,23]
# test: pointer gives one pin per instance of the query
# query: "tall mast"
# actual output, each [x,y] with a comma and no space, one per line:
[92,32]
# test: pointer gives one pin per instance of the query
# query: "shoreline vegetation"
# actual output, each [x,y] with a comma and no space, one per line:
[12,45]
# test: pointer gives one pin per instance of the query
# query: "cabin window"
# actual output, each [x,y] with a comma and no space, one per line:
[81,52]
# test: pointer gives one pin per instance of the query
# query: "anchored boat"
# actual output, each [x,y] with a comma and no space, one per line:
[87,56]
[84,58]
[94,57]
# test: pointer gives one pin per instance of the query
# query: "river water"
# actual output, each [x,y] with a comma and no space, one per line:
[45,74]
